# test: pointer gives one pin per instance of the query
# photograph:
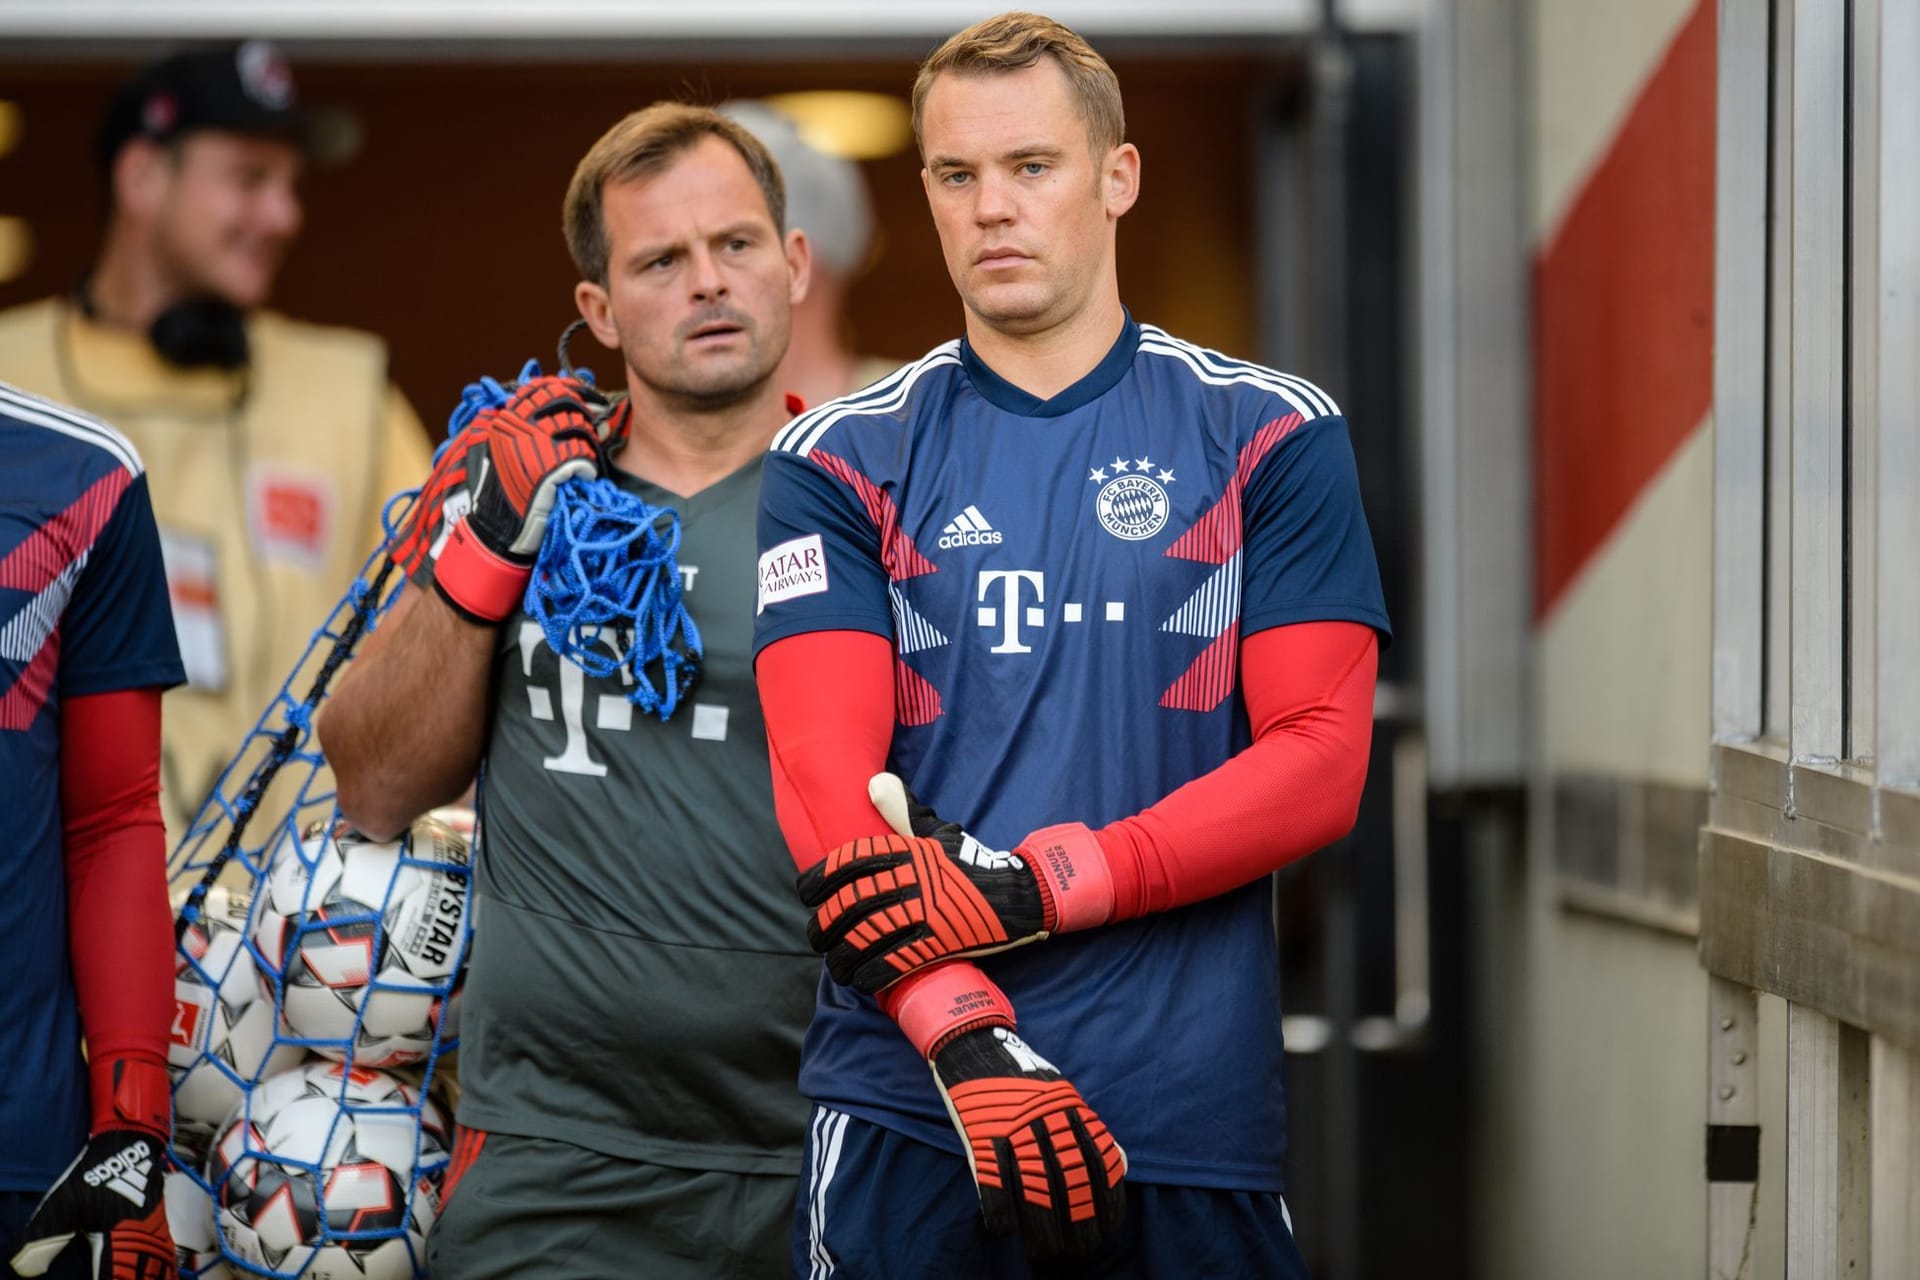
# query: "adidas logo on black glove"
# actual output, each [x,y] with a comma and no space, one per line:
[125,1172]
[112,1195]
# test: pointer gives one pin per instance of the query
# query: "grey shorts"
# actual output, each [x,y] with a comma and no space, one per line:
[525,1207]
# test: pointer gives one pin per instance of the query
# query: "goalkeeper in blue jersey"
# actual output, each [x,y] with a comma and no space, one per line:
[631,1026]
[1102,613]
[86,649]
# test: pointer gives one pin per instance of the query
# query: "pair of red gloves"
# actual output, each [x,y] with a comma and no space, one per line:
[885,908]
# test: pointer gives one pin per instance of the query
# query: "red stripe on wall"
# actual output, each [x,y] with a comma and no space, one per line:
[1623,316]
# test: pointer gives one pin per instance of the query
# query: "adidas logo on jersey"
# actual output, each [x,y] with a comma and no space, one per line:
[124,1173]
[968,529]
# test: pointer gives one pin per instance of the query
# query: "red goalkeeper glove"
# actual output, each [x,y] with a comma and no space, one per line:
[887,905]
[114,1191]
[1043,1162]
[551,430]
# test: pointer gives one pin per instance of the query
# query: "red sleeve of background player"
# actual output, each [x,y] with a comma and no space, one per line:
[119,925]
[1294,789]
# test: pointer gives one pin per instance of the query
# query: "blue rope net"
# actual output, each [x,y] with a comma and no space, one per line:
[318,973]
[606,587]
[296,941]
[609,595]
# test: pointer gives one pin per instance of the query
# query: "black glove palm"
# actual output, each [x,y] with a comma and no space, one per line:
[1043,1162]
[114,1194]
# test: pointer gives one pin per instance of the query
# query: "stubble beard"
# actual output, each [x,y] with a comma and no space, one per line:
[1027,311]
[680,381]
[199,274]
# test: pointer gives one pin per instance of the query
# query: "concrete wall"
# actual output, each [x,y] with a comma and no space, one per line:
[1592,1044]
[1592,1036]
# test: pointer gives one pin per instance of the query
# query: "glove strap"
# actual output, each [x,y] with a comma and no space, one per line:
[937,1004]
[130,1092]
[482,585]
[1074,878]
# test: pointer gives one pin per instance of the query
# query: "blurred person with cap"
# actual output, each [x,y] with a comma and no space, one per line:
[272,444]
[827,199]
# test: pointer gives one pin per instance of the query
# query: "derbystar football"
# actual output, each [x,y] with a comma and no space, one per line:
[225,1029]
[330,1172]
[362,942]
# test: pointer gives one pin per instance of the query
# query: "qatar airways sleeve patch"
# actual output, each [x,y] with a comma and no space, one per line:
[795,568]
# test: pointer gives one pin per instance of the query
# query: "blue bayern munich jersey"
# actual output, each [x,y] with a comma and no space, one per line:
[1065,584]
[83,609]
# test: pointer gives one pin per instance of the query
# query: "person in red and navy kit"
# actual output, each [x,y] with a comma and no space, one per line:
[86,649]
[1067,637]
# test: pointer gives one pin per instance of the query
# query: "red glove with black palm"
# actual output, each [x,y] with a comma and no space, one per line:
[498,491]
[114,1191]
[887,905]
[1044,1164]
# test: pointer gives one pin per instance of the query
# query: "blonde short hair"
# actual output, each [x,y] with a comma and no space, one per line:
[645,143]
[1015,40]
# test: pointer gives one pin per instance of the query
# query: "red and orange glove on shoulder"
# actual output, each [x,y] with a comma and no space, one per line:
[887,905]
[114,1191]
[1043,1162]
[551,430]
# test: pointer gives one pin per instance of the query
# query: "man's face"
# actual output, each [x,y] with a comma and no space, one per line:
[229,211]
[700,285]
[1024,207]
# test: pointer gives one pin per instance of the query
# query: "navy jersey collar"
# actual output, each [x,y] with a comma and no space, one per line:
[1099,380]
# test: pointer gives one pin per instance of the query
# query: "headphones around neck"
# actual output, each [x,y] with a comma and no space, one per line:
[195,333]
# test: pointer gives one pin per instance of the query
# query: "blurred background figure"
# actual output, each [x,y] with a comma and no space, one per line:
[272,444]
[827,199]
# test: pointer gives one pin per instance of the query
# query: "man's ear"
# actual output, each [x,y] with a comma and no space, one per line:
[142,176]
[799,266]
[596,308]
[1120,179]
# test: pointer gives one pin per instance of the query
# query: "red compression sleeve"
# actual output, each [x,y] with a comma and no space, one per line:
[1294,789]
[118,924]
[828,701]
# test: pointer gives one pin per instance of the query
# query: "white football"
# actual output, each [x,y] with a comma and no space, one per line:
[330,1172]
[225,1031]
[190,1219]
[364,943]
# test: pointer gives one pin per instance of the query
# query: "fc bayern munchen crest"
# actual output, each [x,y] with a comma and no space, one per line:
[1133,505]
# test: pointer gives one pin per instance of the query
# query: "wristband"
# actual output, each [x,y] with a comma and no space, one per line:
[1071,869]
[131,1092]
[482,585]
[937,1004]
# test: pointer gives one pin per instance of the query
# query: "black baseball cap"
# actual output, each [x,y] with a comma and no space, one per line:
[239,88]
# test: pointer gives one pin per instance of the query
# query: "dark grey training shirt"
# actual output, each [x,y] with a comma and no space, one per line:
[640,979]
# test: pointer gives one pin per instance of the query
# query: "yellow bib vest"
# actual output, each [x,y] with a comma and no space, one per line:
[267,486]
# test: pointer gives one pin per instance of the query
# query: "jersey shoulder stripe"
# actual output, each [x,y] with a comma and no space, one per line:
[23,406]
[886,396]
[1216,369]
